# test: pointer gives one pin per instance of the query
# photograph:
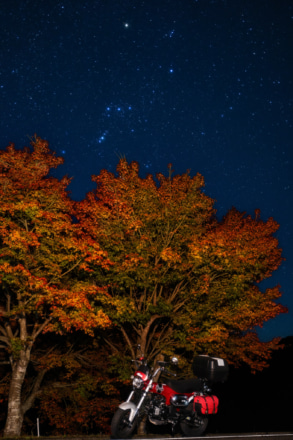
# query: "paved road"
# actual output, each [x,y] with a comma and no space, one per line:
[254,436]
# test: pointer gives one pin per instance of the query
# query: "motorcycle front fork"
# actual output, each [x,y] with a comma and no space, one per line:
[138,405]
[130,396]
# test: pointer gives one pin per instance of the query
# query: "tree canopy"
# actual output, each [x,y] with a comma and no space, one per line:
[180,278]
[43,261]
[138,261]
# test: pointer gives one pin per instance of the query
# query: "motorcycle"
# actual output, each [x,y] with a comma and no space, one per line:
[186,403]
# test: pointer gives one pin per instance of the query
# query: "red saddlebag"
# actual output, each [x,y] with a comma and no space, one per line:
[206,404]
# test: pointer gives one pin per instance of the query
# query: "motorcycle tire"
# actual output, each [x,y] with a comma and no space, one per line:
[189,429]
[119,425]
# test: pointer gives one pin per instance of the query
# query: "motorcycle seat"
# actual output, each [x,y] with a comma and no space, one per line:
[185,385]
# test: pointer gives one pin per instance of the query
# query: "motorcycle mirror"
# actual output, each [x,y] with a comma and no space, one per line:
[174,360]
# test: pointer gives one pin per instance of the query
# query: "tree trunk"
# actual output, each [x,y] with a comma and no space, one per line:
[15,411]
[144,333]
[142,426]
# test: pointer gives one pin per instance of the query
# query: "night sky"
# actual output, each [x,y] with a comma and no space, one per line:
[203,84]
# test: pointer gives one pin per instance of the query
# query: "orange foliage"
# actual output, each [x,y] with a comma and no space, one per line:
[180,278]
[147,257]
[44,264]
[81,395]
[41,247]
[237,254]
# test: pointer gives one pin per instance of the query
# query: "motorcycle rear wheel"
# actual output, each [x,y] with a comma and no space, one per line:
[120,424]
[190,429]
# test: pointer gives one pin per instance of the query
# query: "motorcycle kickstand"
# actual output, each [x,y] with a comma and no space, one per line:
[173,429]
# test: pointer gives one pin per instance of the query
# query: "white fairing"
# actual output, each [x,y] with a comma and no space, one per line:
[131,406]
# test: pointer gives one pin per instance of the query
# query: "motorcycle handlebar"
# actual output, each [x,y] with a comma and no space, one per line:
[163,363]
[169,372]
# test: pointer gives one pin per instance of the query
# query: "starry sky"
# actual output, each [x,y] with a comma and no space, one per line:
[203,84]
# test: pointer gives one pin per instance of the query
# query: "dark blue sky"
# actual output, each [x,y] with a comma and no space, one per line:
[203,84]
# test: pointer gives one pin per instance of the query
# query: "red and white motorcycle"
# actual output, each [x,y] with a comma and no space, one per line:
[185,403]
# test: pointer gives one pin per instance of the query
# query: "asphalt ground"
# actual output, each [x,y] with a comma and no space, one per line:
[247,436]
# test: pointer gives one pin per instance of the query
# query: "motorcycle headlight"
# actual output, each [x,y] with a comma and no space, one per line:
[137,382]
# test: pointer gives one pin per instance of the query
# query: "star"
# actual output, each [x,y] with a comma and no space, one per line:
[178,86]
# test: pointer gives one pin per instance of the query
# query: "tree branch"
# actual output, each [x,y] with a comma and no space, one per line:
[73,267]
[112,346]
[162,337]
[9,331]
[5,340]
[8,302]
[34,392]
[128,341]
[175,291]
[145,331]
[38,329]
[69,270]
[3,331]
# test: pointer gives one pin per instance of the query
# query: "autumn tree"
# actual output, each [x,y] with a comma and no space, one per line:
[80,395]
[43,261]
[180,279]
[235,255]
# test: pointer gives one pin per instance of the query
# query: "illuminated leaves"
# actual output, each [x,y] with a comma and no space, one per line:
[145,228]
[41,247]
[191,280]
[44,265]
[245,244]
[145,257]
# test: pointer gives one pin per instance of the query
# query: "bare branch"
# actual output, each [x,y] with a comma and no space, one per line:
[163,337]
[142,298]
[8,303]
[34,392]
[128,341]
[179,305]
[150,337]
[160,291]
[153,297]
[5,340]
[38,329]
[176,291]
[69,270]
[25,225]
[3,331]
[9,331]
[23,328]
[145,331]
[115,349]
[73,267]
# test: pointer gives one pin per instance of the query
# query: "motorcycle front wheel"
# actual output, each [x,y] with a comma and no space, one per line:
[194,428]
[120,426]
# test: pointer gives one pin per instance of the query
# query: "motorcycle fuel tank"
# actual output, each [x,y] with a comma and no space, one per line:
[210,368]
